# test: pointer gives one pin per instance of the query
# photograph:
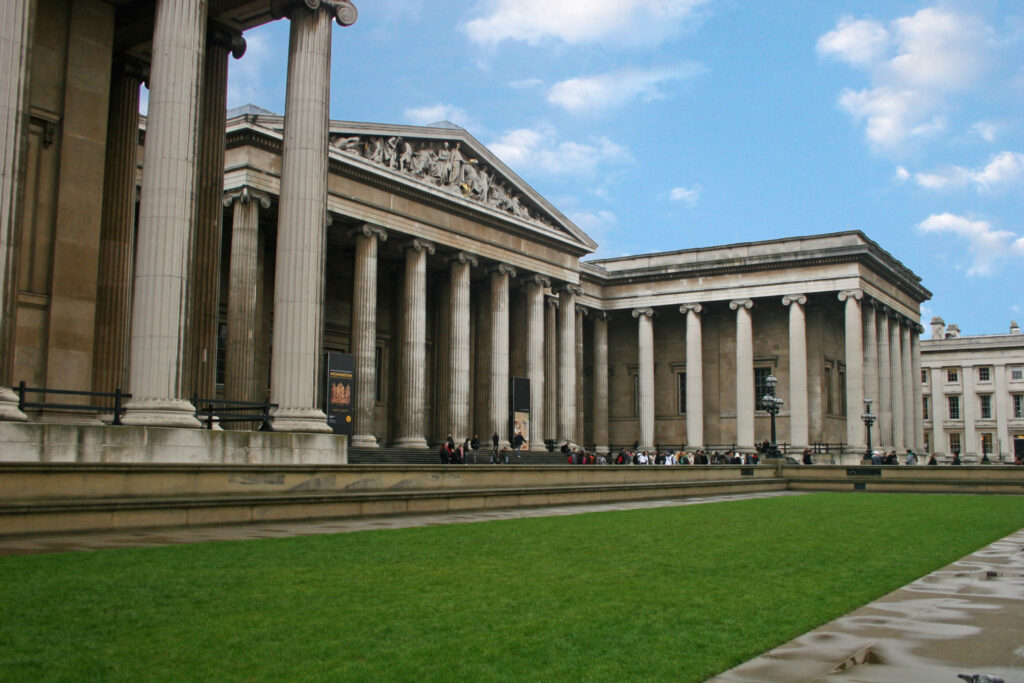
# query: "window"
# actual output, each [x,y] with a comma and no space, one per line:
[924,408]
[952,376]
[924,375]
[1018,404]
[954,442]
[954,407]
[1017,373]
[986,442]
[986,406]
[760,385]
[842,390]
[681,384]
[984,374]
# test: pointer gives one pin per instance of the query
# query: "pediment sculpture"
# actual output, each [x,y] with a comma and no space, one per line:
[441,163]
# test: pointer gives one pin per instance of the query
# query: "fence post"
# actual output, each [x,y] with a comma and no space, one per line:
[21,395]
[117,407]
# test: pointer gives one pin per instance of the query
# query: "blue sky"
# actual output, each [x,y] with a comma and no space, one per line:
[666,124]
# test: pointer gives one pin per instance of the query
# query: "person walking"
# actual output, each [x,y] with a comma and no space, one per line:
[517,442]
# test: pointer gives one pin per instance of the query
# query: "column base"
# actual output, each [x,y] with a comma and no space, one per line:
[160,412]
[602,450]
[413,442]
[310,420]
[364,441]
[9,411]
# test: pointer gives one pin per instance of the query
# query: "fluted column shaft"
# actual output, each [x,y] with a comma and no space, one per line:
[117,234]
[854,338]
[884,380]
[302,222]
[498,403]
[580,313]
[601,382]
[744,373]
[918,394]
[535,357]
[567,363]
[645,372]
[364,333]
[870,355]
[166,212]
[694,375]
[551,377]
[412,371]
[243,295]
[910,383]
[458,349]
[896,374]
[799,418]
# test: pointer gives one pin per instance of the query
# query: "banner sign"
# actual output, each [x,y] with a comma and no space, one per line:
[340,368]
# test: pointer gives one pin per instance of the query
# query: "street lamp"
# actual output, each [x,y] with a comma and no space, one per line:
[773,404]
[869,419]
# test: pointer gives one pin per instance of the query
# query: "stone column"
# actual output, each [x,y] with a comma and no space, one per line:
[166,212]
[911,385]
[412,375]
[896,375]
[567,362]
[915,355]
[884,426]
[535,357]
[458,349]
[799,419]
[497,406]
[16,24]
[551,369]
[302,220]
[854,338]
[645,372]
[968,412]
[870,357]
[364,332]
[581,311]
[694,376]
[243,294]
[601,381]
[744,374]
[117,234]
[204,274]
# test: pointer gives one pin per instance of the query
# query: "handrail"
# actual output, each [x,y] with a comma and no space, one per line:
[213,410]
[119,396]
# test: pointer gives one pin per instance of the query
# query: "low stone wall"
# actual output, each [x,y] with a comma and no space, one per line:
[1001,479]
[51,443]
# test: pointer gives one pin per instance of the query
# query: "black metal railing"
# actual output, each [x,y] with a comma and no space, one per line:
[117,409]
[218,410]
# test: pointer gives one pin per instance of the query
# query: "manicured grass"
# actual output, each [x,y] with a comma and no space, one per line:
[657,594]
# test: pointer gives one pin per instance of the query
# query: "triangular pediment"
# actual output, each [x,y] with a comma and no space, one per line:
[450,161]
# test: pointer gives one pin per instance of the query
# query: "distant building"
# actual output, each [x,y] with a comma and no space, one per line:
[973,392]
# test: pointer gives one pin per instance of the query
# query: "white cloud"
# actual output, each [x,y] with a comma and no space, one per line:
[256,77]
[990,248]
[422,116]
[1003,170]
[540,149]
[902,174]
[525,83]
[616,88]
[637,22]
[915,66]
[689,196]
[986,130]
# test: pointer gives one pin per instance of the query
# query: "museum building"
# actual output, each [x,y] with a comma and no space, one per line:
[219,255]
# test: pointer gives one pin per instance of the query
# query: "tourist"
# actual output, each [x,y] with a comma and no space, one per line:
[911,458]
[932,460]
[807,457]
[956,458]
[475,445]
[517,442]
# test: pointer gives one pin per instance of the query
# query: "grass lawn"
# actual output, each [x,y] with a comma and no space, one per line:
[658,594]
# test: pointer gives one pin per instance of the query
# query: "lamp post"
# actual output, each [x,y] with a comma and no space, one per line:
[773,404]
[869,419]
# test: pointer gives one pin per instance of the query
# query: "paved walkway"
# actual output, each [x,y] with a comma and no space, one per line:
[967,618]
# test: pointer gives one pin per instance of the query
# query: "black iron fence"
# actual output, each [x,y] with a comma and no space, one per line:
[116,407]
[212,411]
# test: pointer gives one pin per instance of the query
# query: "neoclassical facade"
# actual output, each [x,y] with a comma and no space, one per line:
[248,246]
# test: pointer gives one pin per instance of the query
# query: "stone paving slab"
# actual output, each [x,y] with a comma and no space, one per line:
[966,618]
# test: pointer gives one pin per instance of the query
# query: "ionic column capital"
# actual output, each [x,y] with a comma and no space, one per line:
[794,299]
[537,279]
[745,303]
[598,315]
[551,301]
[918,328]
[696,308]
[345,13]
[582,310]
[856,294]
[246,194]
[370,230]
[645,312]
[502,269]
[417,244]
[569,288]
[463,258]
[133,68]
[226,37]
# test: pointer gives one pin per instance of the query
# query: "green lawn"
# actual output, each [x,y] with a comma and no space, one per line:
[658,594]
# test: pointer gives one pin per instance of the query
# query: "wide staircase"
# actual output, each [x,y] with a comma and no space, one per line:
[430,456]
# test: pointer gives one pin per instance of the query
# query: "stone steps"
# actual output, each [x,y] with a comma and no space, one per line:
[429,456]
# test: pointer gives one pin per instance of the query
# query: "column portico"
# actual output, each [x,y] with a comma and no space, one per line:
[694,375]
[364,332]
[535,357]
[854,339]
[799,419]
[870,354]
[497,405]
[744,373]
[884,379]
[645,392]
[412,371]
[567,361]
[458,348]
[915,355]
[911,384]
[166,212]
[601,382]
[551,378]
[581,311]
[896,374]
[243,298]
